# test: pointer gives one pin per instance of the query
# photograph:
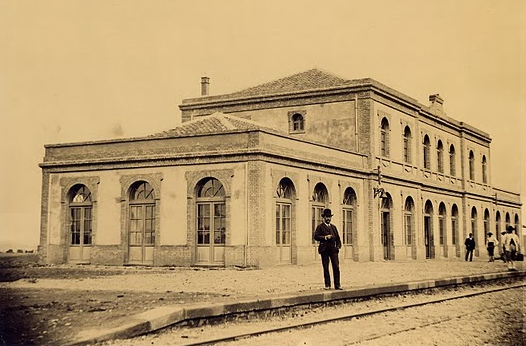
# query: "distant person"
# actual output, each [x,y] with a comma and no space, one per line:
[470,246]
[327,234]
[502,247]
[511,243]
[491,243]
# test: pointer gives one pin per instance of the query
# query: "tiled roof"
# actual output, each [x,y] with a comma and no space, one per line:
[308,80]
[311,79]
[215,123]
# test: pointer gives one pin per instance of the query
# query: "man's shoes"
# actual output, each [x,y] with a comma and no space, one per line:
[327,287]
[338,288]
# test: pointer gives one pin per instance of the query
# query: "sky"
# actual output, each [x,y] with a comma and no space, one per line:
[79,70]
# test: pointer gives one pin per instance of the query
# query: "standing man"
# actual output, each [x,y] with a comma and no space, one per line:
[470,246]
[512,246]
[327,234]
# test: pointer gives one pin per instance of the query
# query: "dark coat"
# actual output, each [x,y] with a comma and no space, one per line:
[470,243]
[331,244]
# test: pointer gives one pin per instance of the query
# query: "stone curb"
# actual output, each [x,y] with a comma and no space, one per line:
[158,318]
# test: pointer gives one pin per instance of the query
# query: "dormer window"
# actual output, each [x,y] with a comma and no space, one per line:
[297,122]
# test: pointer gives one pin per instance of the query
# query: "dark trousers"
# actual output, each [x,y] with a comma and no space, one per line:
[332,256]
[469,252]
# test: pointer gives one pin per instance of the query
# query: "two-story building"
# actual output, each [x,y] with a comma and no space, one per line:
[243,180]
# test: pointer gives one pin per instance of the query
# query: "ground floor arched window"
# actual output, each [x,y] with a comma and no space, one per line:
[408,221]
[211,221]
[142,219]
[284,203]
[348,221]
[319,201]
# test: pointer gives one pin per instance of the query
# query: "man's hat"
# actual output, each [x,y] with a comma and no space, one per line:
[326,212]
[510,228]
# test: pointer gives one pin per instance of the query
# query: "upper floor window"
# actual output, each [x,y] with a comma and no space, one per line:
[440,157]
[484,170]
[384,138]
[407,145]
[452,158]
[427,152]
[297,122]
[471,165]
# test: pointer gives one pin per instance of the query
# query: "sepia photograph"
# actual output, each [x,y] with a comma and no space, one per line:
[256,173]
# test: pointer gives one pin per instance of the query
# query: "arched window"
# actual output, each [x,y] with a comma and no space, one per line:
[408,220]
[348,216]
[471,165]
[284,193]
[427,153]
[298,122]
[320,200]
[211,212]
[442,224]
[474,222]
[454,224]
[141,233]
[384,138]
[484,170]
[440,157]
[517,225]
[452,158]
[508,220]
[407,145]
[80,211]
[486,223]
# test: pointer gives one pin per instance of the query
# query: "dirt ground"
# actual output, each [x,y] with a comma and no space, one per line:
[43,316]
[51,304]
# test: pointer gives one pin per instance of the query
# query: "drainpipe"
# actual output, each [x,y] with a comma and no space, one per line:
[247,215]
[356,120]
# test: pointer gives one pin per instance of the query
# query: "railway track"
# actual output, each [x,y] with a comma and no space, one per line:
[236,335]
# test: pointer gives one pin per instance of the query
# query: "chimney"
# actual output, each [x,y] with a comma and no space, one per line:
[205,82]
[436,102]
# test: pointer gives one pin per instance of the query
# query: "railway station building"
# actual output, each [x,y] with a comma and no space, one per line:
[243,179]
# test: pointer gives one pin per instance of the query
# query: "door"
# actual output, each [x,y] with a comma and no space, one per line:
[283,232]
[142,234]
[80,224]
[428,236]
[80,234]
[387,240]
[211,234]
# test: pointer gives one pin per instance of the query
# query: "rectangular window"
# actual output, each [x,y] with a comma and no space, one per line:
[283,222]
[427,158]
[316,220]
[441,229]
[75,226]
[407,157]
[347,226]
[452,169]
[453,231]
[440,162]
[203,224]
[408,229]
